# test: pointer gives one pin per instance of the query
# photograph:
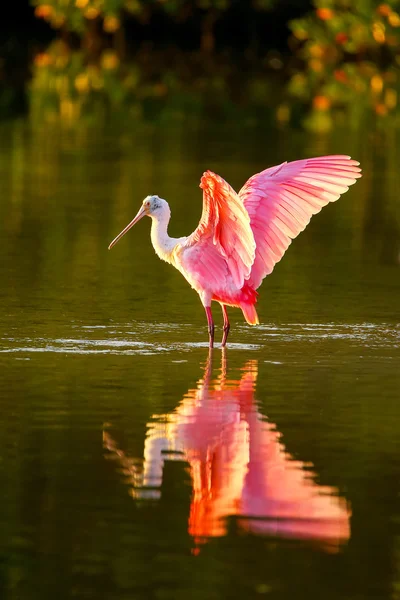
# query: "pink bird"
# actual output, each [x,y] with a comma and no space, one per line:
[242,236]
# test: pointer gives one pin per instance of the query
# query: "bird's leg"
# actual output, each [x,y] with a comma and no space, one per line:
[210,325]
[226,325]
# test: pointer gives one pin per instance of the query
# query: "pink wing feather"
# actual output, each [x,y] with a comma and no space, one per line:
[225,223]
[281,201]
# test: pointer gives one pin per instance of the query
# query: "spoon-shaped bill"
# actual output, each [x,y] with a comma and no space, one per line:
[140,214]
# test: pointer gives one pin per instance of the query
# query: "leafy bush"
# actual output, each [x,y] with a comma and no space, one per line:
[350,53]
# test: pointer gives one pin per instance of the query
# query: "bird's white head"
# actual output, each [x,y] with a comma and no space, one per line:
[152,206]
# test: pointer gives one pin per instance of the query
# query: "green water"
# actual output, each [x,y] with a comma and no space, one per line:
[101,354]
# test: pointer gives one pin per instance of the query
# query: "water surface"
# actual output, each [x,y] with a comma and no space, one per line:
[132,464]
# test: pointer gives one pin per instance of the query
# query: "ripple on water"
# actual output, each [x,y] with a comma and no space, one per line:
[124,347]
[114,341]
[365,334]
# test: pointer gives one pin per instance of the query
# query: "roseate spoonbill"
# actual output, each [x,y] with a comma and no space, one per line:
[242,236]
[237,463]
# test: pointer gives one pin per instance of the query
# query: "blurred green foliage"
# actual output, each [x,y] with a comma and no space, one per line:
[75,15]
[343,66]
[154,86]
[350,58]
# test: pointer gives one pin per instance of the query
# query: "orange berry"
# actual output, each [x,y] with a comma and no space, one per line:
[341,38]
[316,50]
[325,14]
[340,76]
[43,11]
[321,103]
[376,83]
[82,83]
[384,10]
[316,65]
[381,109]
[43,59]
[394,19]
[91,13]
[111,24]
[109,60]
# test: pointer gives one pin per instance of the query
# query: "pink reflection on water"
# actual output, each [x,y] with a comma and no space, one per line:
[238,467]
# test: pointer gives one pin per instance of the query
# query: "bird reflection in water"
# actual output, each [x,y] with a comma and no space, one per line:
[238,465]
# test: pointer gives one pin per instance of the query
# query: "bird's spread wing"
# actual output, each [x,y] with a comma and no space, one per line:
[281,201]
[225,224]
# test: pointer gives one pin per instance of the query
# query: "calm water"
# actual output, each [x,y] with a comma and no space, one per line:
[132,464]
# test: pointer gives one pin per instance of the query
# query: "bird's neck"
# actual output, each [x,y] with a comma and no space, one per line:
[162,243]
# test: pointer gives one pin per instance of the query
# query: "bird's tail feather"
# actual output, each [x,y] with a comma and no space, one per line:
[250,313]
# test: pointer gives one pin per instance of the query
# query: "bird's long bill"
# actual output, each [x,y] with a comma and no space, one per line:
[140,214]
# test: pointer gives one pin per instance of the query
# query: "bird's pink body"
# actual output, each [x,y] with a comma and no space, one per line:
[208,273]
[241,236]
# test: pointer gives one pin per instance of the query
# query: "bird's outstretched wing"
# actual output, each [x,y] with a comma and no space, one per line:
[281,200]
[225,225]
